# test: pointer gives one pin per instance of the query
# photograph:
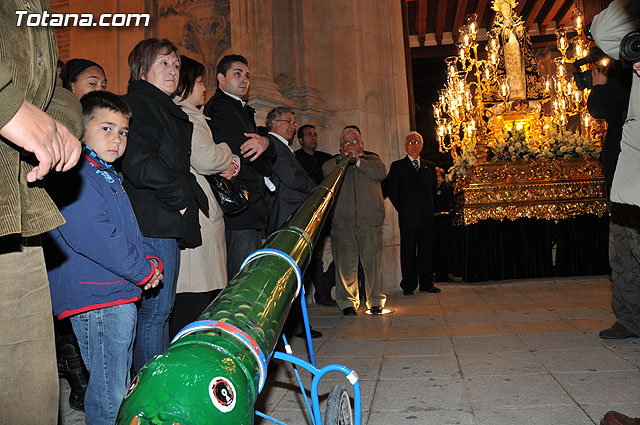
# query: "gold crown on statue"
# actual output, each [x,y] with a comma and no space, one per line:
[495,5]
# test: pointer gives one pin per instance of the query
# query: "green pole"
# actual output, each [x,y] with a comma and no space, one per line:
[214,370]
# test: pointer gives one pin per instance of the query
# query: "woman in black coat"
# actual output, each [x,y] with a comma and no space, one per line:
[164,194]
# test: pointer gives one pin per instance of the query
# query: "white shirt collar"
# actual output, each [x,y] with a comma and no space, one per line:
[413,159]
[234,97]
[282,139]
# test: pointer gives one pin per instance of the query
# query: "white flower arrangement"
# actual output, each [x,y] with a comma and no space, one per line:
[461,164]
[512,146]
[565,144]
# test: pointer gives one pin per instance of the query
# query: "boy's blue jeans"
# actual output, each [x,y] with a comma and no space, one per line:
[105,337]
[156,305]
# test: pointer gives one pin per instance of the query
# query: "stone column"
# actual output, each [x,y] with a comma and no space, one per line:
[252,37]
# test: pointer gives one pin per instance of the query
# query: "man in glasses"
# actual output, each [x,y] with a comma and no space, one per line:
[412,186]
[356,226]
[293,185]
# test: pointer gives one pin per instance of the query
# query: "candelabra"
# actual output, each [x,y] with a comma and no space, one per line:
[460,109]
[567,99]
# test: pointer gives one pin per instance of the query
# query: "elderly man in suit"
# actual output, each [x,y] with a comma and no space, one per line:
[356,225]
[411,186]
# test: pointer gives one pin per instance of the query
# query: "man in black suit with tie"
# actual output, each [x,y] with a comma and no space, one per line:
[232,121]
[411,186]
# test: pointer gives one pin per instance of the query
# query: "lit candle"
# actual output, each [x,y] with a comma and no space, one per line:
[562,43]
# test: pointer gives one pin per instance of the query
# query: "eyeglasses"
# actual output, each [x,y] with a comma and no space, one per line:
[290,122]
[350,142]
[414,142]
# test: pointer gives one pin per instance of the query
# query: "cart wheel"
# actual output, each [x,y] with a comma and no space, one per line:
[338,410]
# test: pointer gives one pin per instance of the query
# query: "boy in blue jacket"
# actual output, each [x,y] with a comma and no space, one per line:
[98,261]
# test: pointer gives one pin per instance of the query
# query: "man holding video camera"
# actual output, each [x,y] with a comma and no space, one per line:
[615,32]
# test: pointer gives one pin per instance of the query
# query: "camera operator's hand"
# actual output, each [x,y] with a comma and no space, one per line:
[599,78]
[636,67]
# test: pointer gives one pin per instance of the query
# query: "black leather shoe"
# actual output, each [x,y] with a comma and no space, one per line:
[376,310]
[349,311]
[405,292]
[617,331]
[314,334]
[431,290]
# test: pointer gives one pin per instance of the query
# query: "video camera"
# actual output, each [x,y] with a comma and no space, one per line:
[584,79]
[629,52]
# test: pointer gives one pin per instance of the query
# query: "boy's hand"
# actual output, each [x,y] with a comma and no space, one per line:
[155,280]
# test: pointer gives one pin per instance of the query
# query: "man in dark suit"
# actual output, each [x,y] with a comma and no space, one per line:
[232,121]
[411,186]
[309,155]
[293,185]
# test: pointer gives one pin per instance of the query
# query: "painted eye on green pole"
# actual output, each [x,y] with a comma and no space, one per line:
[215,368]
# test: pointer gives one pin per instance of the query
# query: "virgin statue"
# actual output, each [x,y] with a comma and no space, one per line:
[515,58]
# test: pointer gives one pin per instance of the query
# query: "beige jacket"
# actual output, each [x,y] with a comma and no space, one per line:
[359,200]
[204,268]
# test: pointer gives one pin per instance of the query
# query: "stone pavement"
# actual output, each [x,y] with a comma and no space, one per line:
[500,353]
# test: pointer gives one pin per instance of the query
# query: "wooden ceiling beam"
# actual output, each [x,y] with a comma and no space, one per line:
[460,13]
[568,14]
[422,21]
[481,10]
[555,8]
[520,6]
[441,16]
[537,5]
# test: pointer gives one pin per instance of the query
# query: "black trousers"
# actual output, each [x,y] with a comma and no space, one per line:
[416,256]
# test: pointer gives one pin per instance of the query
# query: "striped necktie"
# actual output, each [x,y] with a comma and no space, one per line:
[415,164]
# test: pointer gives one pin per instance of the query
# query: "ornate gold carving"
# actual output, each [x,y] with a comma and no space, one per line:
[551,189]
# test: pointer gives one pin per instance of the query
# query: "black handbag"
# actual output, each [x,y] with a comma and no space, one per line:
[231,195]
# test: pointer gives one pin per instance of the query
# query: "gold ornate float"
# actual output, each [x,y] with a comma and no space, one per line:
[550,189]
[491,109]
